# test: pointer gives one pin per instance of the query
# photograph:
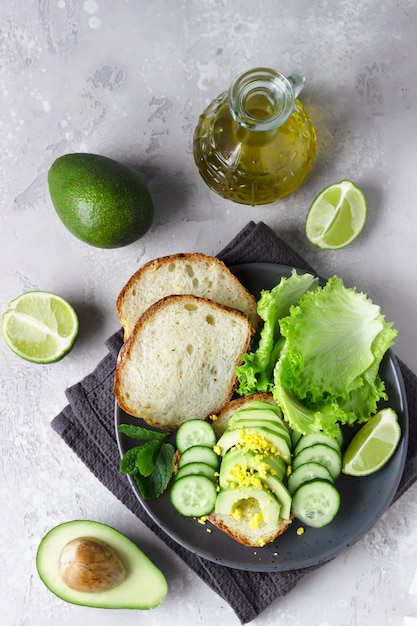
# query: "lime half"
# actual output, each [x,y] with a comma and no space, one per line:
[373,445]
[336,216]
[40,326]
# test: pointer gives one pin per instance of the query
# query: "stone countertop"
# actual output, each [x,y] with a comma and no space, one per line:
[128,80]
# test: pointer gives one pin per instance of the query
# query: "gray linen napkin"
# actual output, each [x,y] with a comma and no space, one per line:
[87,426]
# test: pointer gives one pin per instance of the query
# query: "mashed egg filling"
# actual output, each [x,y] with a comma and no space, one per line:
[248,510]
[241,475]
[254,442]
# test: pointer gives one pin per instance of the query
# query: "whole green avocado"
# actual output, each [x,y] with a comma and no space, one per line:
[99,200]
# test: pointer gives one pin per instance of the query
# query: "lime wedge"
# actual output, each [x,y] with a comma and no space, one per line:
[336,216]
[40,326]
[373,445]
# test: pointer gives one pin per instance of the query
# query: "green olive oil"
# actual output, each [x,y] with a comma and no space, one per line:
[255,153]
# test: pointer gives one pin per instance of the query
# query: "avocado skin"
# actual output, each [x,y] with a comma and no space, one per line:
[99,200]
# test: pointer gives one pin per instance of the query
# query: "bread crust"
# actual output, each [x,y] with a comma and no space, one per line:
[192,261]
[266,534]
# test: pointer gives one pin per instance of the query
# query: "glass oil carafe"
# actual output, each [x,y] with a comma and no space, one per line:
[255,143]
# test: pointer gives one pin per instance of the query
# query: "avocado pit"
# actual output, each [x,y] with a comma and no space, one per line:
[90,565]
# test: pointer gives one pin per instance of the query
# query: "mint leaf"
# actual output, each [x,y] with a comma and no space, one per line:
[147,456]
[146,485]
[164,467]
[155,484]
[128,464]
[151,464]
[140,433]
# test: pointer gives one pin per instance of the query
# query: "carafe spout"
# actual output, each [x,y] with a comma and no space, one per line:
[297,81]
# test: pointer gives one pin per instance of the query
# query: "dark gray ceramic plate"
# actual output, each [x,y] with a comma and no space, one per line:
[363,500]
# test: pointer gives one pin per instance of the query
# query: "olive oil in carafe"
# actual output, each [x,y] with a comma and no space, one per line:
[254,162]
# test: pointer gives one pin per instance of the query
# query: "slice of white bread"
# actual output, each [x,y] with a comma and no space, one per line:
[241,530]
[179,361]
[184,273]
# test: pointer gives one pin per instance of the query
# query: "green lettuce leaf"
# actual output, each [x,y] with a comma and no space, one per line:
[362,402]
[324,419]
[319,352]
[328,371]
[333,337]
[257,371]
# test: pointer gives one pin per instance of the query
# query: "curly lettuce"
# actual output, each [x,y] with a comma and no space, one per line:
[256,372]
[319,355]
[333,337]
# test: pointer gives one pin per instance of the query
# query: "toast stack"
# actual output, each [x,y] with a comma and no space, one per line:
[187,322]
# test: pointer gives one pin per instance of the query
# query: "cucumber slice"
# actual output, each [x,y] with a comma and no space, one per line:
[316,503]
[322,454]
[193,496]
[305,473]
[339,439]
[195,433]
[310,440]
[199,454]
[197,468]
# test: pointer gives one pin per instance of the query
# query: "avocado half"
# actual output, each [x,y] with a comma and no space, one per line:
[144,586]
